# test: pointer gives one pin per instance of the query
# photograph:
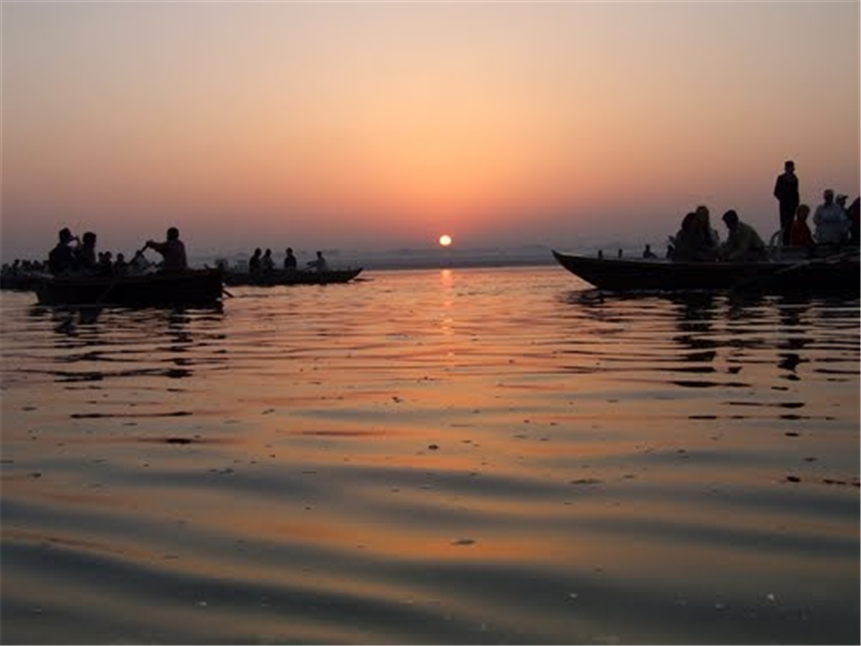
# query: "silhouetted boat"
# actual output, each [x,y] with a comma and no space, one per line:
[19,281]
[836,272]
[282,277]
[190,287]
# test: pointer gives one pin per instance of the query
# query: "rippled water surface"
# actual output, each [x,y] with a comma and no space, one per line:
[432,456]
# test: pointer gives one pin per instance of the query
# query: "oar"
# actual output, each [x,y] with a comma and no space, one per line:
[223,288]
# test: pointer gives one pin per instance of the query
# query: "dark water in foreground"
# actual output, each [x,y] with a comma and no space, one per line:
[425,456]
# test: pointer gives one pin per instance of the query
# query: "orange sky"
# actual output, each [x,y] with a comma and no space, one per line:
[383,125]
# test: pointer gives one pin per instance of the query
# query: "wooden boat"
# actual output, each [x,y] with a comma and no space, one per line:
[836,272]
[190,287]
[21,281]
[282,277]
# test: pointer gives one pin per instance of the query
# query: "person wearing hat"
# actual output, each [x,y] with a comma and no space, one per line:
[743,243]
[832,225]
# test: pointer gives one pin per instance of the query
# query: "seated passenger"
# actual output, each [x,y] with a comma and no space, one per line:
[743,242]
[854,215]
[267,264]
[682,242]
[696,240]
[290,260]
[106,263]
[799,232]
[254,262]
[121,267]
[172,251]
[85,255]
[61,257]
[832,225]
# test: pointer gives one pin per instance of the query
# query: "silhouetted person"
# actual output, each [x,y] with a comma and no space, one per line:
[267,264]
[786,192]
[799,232]
[106,263]
[62,257]
[832,225]
[121,267]
[85,255]
[319,263]
[648,253]
[854,213]
[743,242]
[254,262]
[290,260]
[172,251]
[696,240]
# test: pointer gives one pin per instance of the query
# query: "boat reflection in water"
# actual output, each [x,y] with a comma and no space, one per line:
[465,456]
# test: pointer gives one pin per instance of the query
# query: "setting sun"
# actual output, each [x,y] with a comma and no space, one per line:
[445,240]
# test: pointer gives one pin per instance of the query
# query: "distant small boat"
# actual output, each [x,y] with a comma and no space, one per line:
[284,277]
[839,271]
[18,281]
[190,287]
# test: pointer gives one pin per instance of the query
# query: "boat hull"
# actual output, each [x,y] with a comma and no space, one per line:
[281,277]
[192,287]
[826,274]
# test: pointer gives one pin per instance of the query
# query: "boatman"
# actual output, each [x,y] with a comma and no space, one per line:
[172,250]
[786,192]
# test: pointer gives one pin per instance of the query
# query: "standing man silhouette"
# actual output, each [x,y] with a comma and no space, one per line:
[786,192]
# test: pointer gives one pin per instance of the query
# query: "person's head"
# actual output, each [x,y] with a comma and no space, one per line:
[701,217]
[289,251]
[173,233]
[841,200]
[121,257]
[828,195]
[789,166]
[89,239]
[688,220]
[65,235]
[257,251]
[802,212]
[268,252]
[730,218]
[319,254]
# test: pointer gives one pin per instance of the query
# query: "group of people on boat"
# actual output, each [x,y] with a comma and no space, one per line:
[78,256]
[835,225]
[696,240]
[834,222]
[262,262]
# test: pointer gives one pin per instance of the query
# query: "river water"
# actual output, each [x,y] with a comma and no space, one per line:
[435,456]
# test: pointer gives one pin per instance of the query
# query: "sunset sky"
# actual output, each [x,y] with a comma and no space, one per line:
[380,125]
